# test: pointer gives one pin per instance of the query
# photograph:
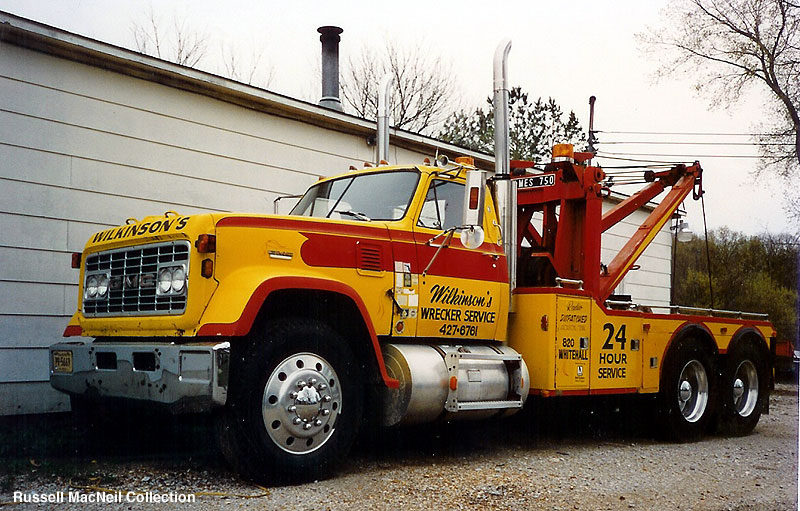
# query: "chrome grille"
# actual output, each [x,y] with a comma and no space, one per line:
[133,280]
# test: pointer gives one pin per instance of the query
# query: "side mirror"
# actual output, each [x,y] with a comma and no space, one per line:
[474,202]
[472,237]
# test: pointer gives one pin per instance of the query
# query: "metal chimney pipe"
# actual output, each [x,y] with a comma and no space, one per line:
[384,96]
[506,192]
[330,67]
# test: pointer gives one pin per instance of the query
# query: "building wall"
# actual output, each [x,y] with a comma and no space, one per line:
[83,148]
[650,284]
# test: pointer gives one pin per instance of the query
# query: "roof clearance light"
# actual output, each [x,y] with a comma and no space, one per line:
[563,152]
[465,160]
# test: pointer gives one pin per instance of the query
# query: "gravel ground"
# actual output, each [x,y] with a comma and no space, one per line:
[576,454]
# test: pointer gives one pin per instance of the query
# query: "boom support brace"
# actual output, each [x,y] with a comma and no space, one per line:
[570,205]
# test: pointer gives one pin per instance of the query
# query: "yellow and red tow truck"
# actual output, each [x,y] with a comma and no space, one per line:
[398,295]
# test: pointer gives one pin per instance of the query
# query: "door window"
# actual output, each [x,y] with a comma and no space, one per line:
[444,205]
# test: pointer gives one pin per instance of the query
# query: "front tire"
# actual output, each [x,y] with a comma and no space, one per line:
[687,396]
[744,390]
[294,404]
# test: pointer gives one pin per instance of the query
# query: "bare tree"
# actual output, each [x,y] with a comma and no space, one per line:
[244,67]
[733,44]
[183,44]
[180,44]
[424,89]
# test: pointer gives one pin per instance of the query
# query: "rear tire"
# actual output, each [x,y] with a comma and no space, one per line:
[744,390]
[294,404]
[688,392]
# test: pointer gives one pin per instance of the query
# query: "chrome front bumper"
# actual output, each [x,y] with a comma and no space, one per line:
[185,377]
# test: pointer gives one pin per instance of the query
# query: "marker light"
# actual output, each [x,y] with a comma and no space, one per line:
[206,243]
[474,195]
[207,268]
[465,160]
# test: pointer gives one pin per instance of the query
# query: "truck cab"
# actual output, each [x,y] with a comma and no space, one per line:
[366,289]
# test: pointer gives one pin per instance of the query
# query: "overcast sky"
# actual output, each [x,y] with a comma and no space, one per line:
[567,49]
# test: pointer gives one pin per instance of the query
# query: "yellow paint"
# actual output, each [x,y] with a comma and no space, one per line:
[573,331]
[625,350]
[248,257]
[624,353]
[525,334]
[200,289]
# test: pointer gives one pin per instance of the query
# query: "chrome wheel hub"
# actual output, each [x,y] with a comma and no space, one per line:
[745,388]
[738,389]
[301,401]
[693,391]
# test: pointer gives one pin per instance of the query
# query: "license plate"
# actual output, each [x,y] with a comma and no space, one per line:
[62,361]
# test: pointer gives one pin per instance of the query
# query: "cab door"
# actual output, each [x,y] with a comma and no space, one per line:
[463,293]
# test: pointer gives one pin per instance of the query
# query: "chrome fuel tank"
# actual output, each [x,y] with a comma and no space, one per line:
[452,382]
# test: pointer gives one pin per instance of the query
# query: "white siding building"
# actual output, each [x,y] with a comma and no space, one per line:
[91,134]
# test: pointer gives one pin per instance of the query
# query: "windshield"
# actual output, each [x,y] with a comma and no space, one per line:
[366,197]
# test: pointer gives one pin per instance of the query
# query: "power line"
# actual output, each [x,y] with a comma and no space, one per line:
[653,163]
[697,143]
[695,156]
[701,134]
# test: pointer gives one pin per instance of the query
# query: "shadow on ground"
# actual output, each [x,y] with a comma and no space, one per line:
[543,424]
[56,444]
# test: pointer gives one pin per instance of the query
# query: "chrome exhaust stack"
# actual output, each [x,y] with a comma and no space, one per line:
[384,96]
[506,194]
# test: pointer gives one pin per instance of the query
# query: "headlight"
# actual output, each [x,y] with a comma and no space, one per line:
[164,280]
[178,279]
[91,287]
[102,285]
[171,280]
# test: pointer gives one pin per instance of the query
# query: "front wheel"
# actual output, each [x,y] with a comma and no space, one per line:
[687,395]
[294,404]
[744,390]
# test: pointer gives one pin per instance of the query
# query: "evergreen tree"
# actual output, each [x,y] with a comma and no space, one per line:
[534,126]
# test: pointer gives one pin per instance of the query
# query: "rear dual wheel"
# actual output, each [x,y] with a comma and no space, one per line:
[744,390]
[688,392]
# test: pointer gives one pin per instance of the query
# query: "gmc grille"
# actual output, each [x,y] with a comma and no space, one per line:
[132,280]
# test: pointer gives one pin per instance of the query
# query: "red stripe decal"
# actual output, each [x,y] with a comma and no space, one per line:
[292,224]
[602,392]
[334,245]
